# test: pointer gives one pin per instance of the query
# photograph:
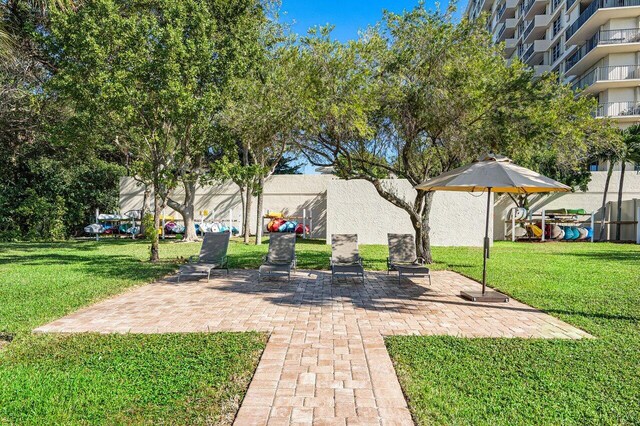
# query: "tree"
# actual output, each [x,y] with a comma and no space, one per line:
[50,183]
[151,75]
[420,94]
[630,153]
[264,115]
[288,165]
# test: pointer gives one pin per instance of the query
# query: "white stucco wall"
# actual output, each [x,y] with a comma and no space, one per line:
[457,219]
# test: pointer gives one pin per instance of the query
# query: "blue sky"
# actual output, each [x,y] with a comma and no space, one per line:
[348,16]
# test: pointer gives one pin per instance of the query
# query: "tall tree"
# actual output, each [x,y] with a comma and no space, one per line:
[264,114]
[421,94]
[151,74]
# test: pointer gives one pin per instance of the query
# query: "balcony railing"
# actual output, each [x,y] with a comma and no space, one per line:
[529,28]
[593,7]
[527,53]
[570,3]
[528,6]
[604,37]
[616,72]
[501,10]
[618,109]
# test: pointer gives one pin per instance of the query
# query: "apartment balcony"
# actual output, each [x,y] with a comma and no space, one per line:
[537,29]
[534,7]
[598,13]
[510,46]
[527,54]
[510,27]
[536,51]
[538,70]
[602,43]
[620,111]
[500,13]
[601,78]
[499,33]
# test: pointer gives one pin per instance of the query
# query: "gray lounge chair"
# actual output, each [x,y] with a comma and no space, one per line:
[213,255]
[403,258]
[345,257]
[281,257]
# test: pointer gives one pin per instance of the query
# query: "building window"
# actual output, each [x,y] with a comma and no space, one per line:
[557,26]
[555,4]
[556,51]
[593,167]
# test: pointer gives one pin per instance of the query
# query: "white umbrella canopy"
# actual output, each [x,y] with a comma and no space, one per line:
[491,173]
[494,172]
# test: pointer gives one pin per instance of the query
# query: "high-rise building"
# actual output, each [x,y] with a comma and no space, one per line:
[592,44]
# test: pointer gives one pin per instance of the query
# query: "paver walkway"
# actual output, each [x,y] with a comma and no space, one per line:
[325,362]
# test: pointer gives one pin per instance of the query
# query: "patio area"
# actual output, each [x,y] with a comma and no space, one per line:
[326,362]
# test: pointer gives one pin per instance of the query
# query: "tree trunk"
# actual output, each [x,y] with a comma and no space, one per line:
[146,196]
[157,211]
[419,214]
[623,168]
[187,211]
[259,208]
[604,201]
[242,204]
[422,228]
[247,214]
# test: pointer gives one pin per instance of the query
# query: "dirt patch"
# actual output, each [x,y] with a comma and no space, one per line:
[5,339]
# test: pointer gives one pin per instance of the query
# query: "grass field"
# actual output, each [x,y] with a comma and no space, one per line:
[451,380]
[199,378]
[108,379]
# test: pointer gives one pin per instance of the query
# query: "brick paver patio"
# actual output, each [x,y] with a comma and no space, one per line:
[325,362]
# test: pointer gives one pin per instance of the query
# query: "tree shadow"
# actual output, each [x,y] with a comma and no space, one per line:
[112,266]
[379,292]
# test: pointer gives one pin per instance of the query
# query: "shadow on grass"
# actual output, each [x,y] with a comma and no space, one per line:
[606,256]
[594,315]
[110,266]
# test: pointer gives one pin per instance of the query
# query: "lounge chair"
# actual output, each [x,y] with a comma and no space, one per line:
[213,255]
[281,257]
[345,258]
[403,258]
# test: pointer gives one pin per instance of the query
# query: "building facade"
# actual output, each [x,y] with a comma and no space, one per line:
[592,44]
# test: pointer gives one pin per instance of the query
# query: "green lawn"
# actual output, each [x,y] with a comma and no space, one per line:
[108,379]
[596,287]
[199,378]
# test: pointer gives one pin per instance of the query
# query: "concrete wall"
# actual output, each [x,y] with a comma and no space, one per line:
[457,219]
[339,206]
[591,201]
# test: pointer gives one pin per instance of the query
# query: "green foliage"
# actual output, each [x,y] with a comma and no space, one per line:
[127,379]
[150,232]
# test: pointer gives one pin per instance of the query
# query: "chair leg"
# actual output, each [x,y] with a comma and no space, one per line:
[208,275]
[429,280]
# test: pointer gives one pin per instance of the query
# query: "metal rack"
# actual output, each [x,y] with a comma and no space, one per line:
[307,220]
[563,219]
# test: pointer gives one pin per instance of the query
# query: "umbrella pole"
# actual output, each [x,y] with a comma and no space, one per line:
[486,244]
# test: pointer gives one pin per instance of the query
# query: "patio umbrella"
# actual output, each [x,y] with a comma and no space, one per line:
[491,173]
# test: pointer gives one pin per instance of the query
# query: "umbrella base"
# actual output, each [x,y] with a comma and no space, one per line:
[488,296]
